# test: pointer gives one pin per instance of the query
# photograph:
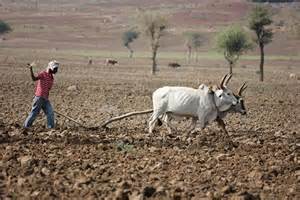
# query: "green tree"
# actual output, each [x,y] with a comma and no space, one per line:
[233,42]
[128,37]
[4,27]
[193,40]
[259,18]
[153,26]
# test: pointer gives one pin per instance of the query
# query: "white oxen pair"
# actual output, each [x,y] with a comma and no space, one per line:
[203,104]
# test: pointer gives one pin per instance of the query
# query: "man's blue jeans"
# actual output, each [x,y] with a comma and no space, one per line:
[38,104]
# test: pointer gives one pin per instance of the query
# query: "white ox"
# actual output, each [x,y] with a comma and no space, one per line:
[201,104]
[238,108]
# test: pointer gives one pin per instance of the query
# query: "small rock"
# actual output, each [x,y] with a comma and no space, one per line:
[35,193]
[152,149]
[121,194]
[298,175]
[135,196]
[221,156]
[161,191]
[291,190]
[213,195]
[21,181]
[2,163]
[45,171]
[72,88]
[278,134]
[227,189]
[293,76]
[25,160]
[82,180]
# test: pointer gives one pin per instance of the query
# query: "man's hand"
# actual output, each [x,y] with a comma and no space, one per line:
[29,66]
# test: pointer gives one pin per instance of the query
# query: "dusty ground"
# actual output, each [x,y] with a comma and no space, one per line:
[259,159]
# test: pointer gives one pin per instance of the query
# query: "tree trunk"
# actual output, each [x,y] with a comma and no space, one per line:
[131,53]
[154,65]
[189,54]
[37,5]
[196,56]
[262,58]
[230,67]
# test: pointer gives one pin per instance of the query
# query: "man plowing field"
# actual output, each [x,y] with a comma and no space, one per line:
[44,83]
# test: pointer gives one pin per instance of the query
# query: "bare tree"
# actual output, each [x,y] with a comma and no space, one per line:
[153,26]
[193,40]
[37,2]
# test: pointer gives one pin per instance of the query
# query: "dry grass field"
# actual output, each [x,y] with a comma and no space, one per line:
[259,159]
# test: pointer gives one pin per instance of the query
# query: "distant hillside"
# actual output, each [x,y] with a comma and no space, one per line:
[99,24]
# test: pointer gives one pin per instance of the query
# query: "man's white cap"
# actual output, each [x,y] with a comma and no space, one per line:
[53,64]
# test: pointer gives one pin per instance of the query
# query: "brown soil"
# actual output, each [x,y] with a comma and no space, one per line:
[260,158]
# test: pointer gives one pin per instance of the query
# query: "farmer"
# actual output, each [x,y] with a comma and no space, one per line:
[44,83]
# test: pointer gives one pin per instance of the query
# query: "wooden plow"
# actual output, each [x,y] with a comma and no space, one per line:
[104,124]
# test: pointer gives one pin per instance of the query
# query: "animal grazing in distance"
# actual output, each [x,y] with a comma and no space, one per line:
[174,65]
[109,61]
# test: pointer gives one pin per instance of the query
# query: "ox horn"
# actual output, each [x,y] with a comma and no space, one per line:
[222,81]
[242,88]
[225,80]
[228,79]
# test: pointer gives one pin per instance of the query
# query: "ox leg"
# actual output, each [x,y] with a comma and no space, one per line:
[222,125]
[191,129]
[152,121]
[192,125]
[167,119]
[202,122]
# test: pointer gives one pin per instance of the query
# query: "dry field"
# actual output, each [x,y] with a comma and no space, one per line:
[259,159]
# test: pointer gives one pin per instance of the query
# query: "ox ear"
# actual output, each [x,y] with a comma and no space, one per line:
[215,87]
[210,89]
[201,87]
[242,88]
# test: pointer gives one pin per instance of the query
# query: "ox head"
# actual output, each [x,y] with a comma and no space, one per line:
[224,97]
[240,106]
